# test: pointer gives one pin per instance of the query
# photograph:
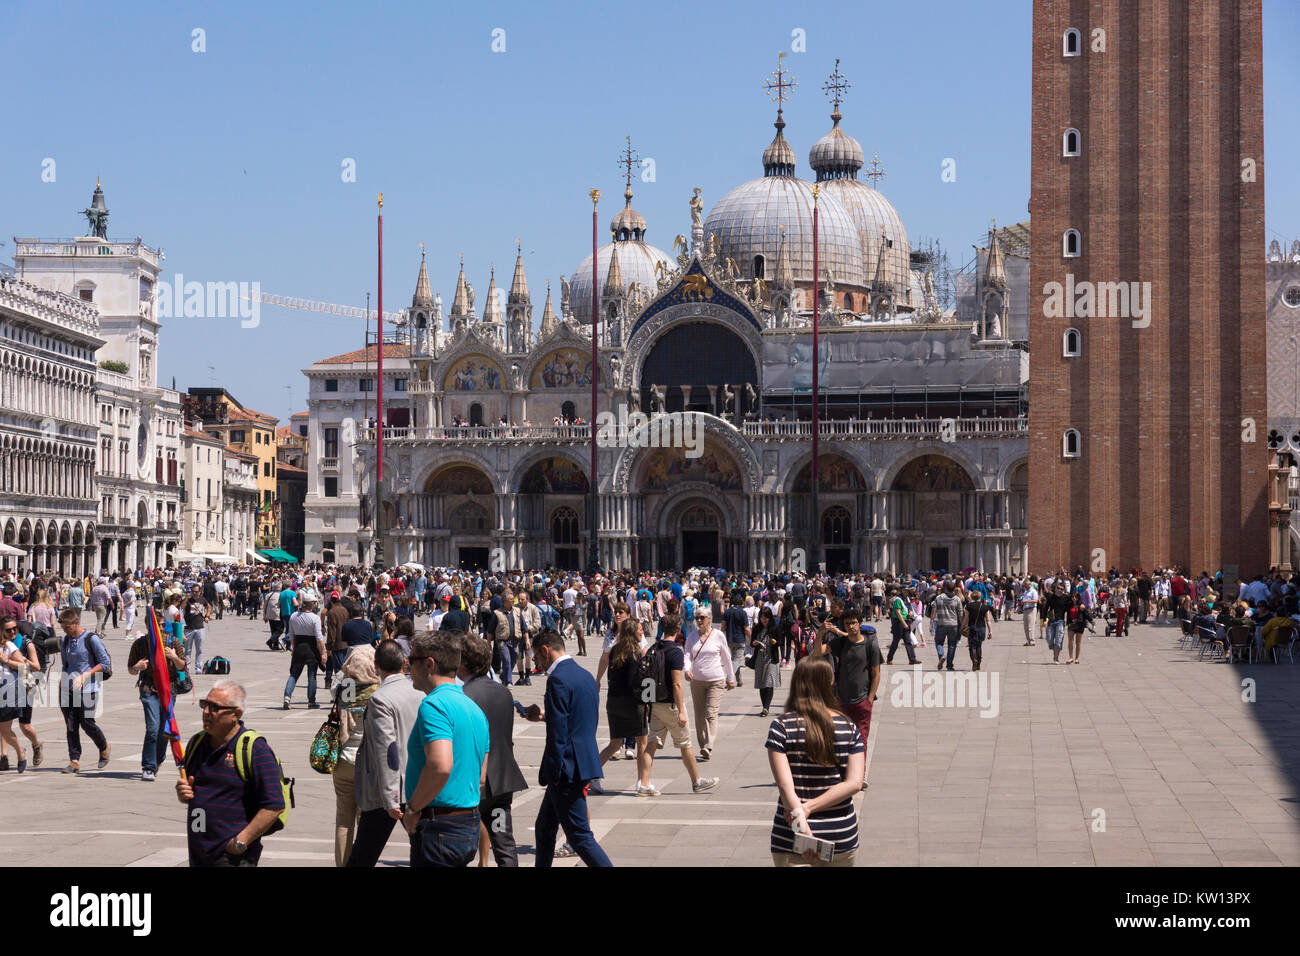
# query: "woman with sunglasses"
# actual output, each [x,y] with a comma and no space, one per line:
[766,645]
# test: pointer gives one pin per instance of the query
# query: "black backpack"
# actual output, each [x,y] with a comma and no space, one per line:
[40,638]
[652,676]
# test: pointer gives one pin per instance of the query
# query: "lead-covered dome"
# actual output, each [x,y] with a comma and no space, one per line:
[636,260]
[752,220]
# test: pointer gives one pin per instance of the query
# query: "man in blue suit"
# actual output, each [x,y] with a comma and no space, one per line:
[571,758]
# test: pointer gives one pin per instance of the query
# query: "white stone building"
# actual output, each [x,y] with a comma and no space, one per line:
[203,515]
[1282,297]
[241,505]
[137,475]
[48,506]
[923,441]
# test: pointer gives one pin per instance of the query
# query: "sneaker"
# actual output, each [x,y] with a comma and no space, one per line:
[38,754]
[629,753]
[72,767]
[650,791]
[312,705]
[4,762]
[22,766]
[103,757]
[763,713]
[705,755]
[593,786]
[617,754]
[286,703]
[704,783]
[147,776]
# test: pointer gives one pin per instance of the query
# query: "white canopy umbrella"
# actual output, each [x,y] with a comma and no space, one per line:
[415,565]
[8,549]
[257,557]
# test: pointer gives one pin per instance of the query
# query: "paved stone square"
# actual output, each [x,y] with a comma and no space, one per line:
[1140,755]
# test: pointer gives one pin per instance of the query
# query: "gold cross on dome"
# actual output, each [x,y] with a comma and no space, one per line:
[628,159]
[877,171]
[778,86]
[836,86]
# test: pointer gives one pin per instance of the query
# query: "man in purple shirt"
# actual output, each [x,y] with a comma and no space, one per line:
[232,789]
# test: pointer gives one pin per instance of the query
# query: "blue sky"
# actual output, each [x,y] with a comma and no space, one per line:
[231,159]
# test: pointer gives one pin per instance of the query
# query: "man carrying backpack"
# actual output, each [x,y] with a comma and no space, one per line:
[661,678]
[232,784]
[85,664]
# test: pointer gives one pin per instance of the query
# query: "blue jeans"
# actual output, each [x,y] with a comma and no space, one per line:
[1055,634]
[154,750]
[565,805]
[949,634]
[507,651]
[445,841]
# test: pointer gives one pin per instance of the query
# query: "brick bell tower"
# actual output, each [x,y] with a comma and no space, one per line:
[1147,313]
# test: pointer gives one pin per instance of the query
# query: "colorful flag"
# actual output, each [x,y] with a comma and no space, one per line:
[162,682]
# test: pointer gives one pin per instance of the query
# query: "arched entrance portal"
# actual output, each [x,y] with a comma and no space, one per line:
[699,531]
[930,500]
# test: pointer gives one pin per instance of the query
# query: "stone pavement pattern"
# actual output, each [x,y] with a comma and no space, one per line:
[1139,755]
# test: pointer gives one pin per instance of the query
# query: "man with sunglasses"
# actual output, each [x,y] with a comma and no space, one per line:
[446,757]
[228,814]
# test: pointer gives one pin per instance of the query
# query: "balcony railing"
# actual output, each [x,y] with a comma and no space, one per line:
[942,429]
[331,464]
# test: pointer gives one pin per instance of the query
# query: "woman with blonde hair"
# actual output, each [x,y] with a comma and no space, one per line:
[351,694]
[818,761]
[628,716]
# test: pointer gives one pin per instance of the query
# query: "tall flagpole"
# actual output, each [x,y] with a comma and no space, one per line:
[816,511]
[593,550]
[379,403]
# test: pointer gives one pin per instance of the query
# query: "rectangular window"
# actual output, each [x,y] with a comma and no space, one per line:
[331,443]
[302,431]
[399,385]
[237,437]
[266,497]
[331,384]
[266,469]
[327,551]
[366,385]
[331,487]
[87,295]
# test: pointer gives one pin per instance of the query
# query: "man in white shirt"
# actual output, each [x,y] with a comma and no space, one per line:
[1028,601]
[308,639]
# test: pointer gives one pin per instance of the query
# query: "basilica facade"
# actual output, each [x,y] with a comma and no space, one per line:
[486,433]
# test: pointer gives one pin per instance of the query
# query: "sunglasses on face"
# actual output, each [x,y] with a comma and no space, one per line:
[215,707]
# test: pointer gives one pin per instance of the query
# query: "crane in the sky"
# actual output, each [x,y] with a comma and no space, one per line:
[311,305]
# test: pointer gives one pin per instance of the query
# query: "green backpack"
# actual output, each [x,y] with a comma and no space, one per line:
[243,760]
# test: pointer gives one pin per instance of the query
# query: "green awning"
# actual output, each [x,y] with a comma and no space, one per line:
[275,554]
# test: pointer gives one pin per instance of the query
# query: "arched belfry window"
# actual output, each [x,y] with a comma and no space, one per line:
[1071,242]
[1072,43]
[1071,443]
[1071,343]
[1070,143]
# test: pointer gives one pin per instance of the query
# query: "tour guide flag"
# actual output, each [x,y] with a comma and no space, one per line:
[162,683]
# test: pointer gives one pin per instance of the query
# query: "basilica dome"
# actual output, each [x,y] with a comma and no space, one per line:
[836,158]
[752,220]
[636,261]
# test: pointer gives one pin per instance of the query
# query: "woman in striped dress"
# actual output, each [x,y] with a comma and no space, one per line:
[818,762]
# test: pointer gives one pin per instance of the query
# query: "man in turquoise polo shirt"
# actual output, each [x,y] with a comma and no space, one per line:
[446,757]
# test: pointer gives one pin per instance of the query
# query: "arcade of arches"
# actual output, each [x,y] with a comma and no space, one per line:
[681,511]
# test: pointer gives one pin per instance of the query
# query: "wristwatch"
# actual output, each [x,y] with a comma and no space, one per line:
[240,848]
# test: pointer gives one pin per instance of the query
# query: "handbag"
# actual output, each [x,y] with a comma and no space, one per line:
[325,746]
[183,683]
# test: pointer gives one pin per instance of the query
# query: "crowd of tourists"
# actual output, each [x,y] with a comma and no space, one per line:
[418,668]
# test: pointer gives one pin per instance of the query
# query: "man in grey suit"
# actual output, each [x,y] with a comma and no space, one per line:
[504,779]
[381,758]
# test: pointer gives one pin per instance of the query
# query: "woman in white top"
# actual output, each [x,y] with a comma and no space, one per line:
[128,603]
[708,669]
